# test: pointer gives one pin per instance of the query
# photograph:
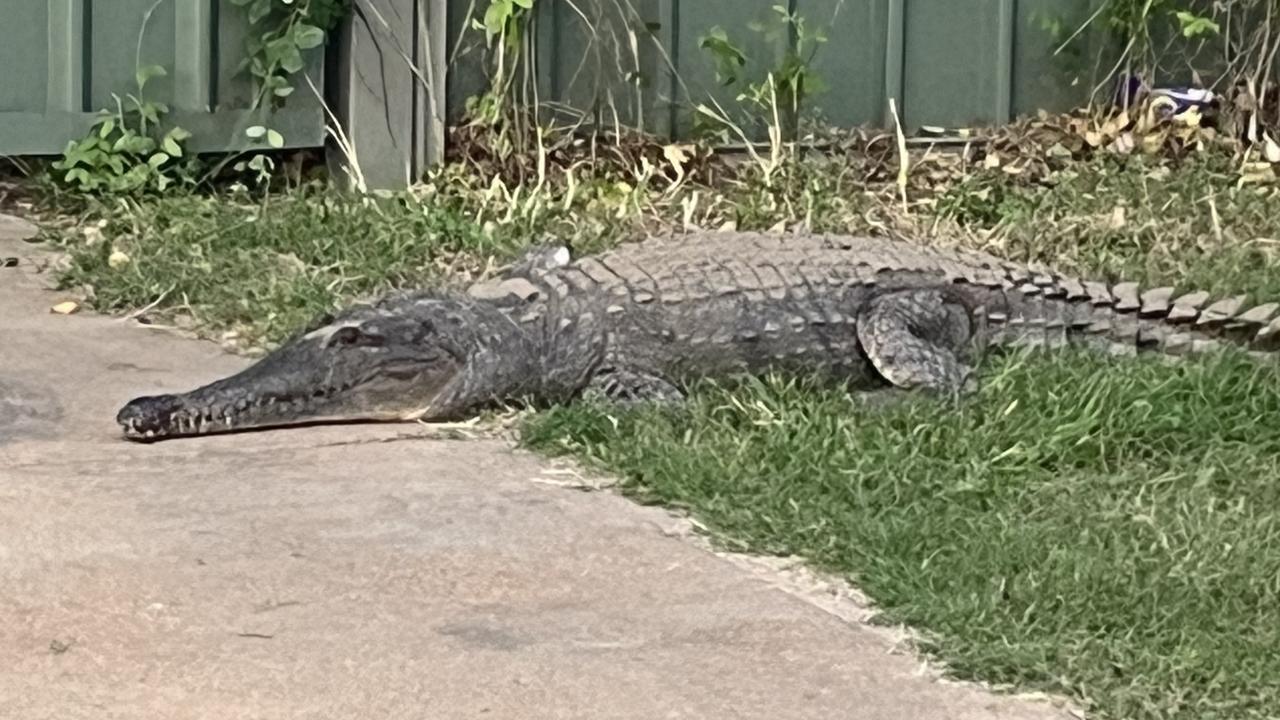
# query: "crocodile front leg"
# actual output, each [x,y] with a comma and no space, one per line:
[913,338]
[625,387]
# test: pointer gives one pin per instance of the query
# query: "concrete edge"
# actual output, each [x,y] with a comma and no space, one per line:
[795,576]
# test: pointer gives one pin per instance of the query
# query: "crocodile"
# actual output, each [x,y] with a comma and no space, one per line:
[642,321]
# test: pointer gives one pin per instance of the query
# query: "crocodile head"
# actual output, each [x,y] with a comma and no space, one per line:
[381,362]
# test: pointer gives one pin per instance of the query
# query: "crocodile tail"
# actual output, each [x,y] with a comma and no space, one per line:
[1040,307]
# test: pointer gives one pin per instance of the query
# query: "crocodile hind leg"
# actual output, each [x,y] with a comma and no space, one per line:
[622,386]
[915,339]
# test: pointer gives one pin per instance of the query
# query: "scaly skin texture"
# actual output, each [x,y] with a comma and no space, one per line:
[638,323]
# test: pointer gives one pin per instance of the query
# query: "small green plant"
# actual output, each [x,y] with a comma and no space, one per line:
[260,168]
[1137,22]
[1143,30]
[778,99]
[127,150]
[1135,18]
[728,58]
[281,30]
[1193,25]
[503,19]
[505,24]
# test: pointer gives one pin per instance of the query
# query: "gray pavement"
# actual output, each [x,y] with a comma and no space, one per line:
[369,571]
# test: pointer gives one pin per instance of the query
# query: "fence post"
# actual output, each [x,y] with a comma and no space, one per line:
[388,91]
[1004,61]
[66,55]
[894,56]
[433,102]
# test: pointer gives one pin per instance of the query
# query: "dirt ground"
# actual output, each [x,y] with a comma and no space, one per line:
[371,571]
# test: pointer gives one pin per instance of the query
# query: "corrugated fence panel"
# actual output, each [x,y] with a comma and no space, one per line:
[637,63]
[65,58]
[465,52]
[1041,78]
[696,67]
[852,61]
[25,55]
[231,89]
[122,37]
[609,59]
[955,62]
[947,62]
[597,60]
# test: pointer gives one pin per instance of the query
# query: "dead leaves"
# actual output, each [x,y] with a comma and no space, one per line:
[1253,173]
[560,152]
[1117,219]
[1035,148]
[1153,129]
[678,156]
[1270,150]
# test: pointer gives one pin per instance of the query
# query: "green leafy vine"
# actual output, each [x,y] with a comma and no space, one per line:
[280,32]
[780,96]
[505,24]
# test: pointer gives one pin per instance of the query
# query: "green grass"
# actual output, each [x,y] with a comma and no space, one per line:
[1102,527]
[1138,218]
[263,269]
[1105,528]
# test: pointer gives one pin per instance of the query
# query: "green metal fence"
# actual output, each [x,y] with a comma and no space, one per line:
[401,68]
[944,62]
[63,59]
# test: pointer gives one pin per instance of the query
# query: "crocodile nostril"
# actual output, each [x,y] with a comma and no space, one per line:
[151,414]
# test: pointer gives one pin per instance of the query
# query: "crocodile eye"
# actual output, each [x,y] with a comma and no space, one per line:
[352,336]
[345,336]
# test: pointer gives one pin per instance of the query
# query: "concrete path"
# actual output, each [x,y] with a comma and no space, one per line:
[367,572]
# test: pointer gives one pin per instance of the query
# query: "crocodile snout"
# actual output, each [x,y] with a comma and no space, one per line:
[149,417]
